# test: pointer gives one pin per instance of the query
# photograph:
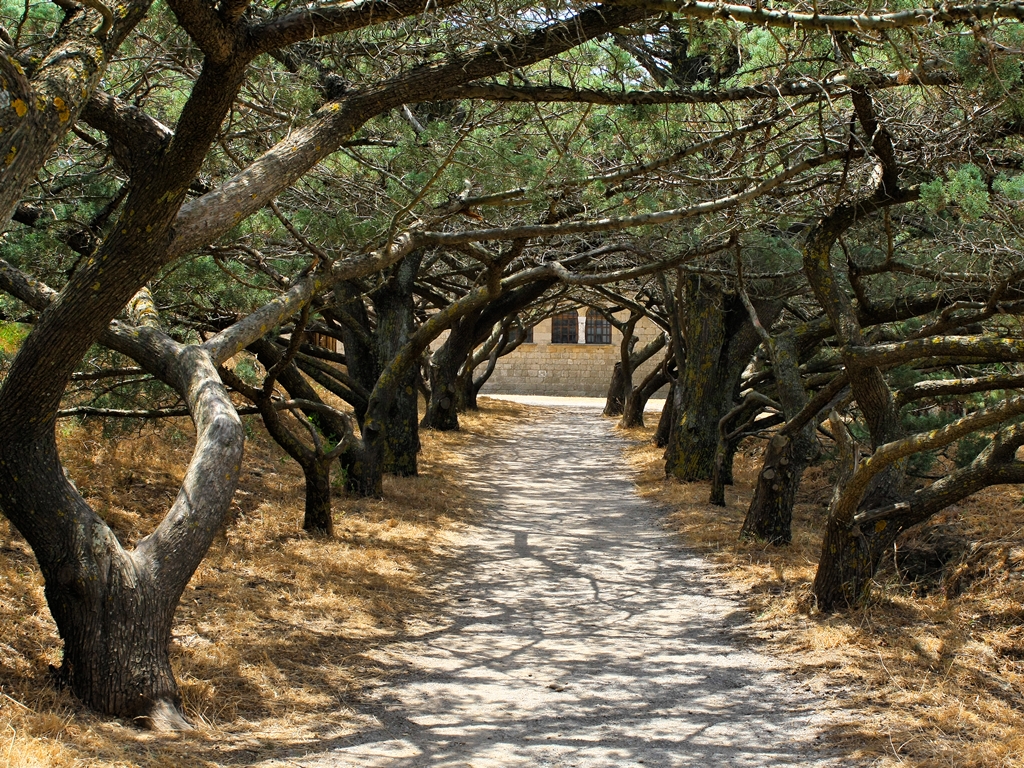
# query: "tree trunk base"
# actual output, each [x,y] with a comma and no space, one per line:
[441,417]
[770,515]
[318,519]
[844,571]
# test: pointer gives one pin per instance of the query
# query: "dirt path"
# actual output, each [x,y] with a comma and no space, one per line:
[581,635]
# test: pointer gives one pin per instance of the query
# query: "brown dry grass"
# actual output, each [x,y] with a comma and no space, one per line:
[926,679]
[277,633]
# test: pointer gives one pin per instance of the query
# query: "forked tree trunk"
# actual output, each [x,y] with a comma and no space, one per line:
[113,607]
[636,402]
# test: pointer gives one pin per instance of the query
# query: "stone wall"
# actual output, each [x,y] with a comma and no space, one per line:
[582,370]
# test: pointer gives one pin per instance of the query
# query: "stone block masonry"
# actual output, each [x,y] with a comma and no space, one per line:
[580,370]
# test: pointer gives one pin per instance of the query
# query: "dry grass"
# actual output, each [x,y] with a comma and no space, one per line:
[931,673]
[277,633]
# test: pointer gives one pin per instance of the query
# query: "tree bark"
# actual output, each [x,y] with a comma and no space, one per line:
[113,607]
[667,418]
[770,514]
[721,475]
[442,411]
[636,402]
[703,391]
[622,372]
[850,554]
[615,400]
[719,342]
[394,304]
[318,519]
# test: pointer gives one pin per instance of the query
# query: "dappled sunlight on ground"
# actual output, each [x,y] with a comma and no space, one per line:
[579,633]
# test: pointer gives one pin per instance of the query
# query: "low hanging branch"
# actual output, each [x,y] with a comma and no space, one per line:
[587,226]
[923,389]
[994,347]
[759,16]
[832,87]
[109,373]
[166,413]
[887,454]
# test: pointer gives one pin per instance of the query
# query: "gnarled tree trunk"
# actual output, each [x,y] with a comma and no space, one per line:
[770,514]
[719,343]
[114,607]
[318,519]
[636,401]
[850,554]
[394,304]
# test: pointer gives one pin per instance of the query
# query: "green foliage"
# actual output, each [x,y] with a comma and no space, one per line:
[11,336]
[251,426]
[245,369]
[904,375]
[339,479]
[943,412]
[964,188]
[1012,187]
[968,448]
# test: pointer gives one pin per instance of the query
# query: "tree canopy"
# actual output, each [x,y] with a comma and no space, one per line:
[819,204]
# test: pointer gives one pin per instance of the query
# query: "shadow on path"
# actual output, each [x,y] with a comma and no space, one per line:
[581,635]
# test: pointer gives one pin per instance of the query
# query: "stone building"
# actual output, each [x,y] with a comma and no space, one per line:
[571,354]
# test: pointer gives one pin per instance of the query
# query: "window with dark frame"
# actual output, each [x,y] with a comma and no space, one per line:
[528,334]
[323,340]
[565,328]
[599,330]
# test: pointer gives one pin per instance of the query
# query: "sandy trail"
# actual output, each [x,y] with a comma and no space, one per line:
[581,634]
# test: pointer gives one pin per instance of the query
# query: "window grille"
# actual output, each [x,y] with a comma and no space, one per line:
[323,340]
[565,328]
[599,330]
